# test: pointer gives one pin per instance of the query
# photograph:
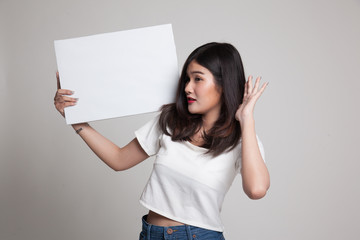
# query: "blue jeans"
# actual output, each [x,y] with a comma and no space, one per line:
[182,232]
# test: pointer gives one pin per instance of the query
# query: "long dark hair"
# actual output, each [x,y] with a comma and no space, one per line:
[224,62]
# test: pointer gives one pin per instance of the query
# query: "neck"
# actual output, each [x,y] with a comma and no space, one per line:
[209,121]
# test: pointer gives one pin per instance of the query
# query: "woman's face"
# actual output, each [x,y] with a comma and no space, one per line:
[203,95]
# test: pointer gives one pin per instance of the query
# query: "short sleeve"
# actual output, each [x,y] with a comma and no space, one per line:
[261,147]
[262,152]
[149,136]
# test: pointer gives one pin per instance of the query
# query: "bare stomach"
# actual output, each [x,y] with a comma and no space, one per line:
[156,219]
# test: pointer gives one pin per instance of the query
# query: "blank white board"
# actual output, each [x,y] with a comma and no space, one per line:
[118,74]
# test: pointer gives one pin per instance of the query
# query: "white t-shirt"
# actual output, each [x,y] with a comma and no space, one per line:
[187,185]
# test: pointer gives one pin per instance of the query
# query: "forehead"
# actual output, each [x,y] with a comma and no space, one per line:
[194,68]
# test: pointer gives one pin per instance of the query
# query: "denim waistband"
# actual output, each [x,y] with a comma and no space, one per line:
[188,232]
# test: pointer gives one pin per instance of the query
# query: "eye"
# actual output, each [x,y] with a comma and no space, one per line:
[197,79]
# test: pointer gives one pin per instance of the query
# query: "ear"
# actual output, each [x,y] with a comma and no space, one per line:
[219,89]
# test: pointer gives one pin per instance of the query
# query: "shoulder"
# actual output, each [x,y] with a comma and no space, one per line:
[148,136]
[151,125]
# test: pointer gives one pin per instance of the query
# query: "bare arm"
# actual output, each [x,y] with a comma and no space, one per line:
[254,173]
[115,157]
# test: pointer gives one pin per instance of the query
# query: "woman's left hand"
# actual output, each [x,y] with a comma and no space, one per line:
[251,95]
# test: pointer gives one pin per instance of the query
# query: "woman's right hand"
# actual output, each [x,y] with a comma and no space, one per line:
[115,157]
[61,101]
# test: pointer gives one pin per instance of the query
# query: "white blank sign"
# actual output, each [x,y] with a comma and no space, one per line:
[118,74]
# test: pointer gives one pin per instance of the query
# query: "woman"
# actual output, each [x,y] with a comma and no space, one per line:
[201,142]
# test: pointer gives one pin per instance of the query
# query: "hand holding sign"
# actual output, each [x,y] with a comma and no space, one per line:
[118,74]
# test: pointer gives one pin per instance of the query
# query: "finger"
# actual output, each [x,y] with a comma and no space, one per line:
[65,92]
[67,104]
[249,82]
[58,80]
[62,99]
[246,89]
[69,99]
[263,88]
[61,105]
[61,92]
[256,86]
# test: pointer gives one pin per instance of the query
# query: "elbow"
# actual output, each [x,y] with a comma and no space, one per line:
[118,165]
[119,168]
[257,194]
[115,167]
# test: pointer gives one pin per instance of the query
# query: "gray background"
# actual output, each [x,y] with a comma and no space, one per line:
[53,187]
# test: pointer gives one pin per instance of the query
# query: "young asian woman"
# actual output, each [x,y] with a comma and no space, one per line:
[201,142]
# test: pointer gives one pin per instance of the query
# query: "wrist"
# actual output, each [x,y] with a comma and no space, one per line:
[246,120]
[79,126]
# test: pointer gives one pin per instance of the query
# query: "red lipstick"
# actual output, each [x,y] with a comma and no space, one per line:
[191,100]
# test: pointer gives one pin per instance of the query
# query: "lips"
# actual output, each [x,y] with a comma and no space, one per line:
[191,100]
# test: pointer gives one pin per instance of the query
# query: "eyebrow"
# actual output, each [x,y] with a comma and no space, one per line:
[193,72]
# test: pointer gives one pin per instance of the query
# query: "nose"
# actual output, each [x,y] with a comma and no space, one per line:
[188,87]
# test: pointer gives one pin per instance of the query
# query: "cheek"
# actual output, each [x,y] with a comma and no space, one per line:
[207,91]
[216,98]
[213,95]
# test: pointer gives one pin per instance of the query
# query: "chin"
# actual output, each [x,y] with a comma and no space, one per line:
[194,111]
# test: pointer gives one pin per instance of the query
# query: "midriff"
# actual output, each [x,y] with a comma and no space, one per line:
[156,219]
